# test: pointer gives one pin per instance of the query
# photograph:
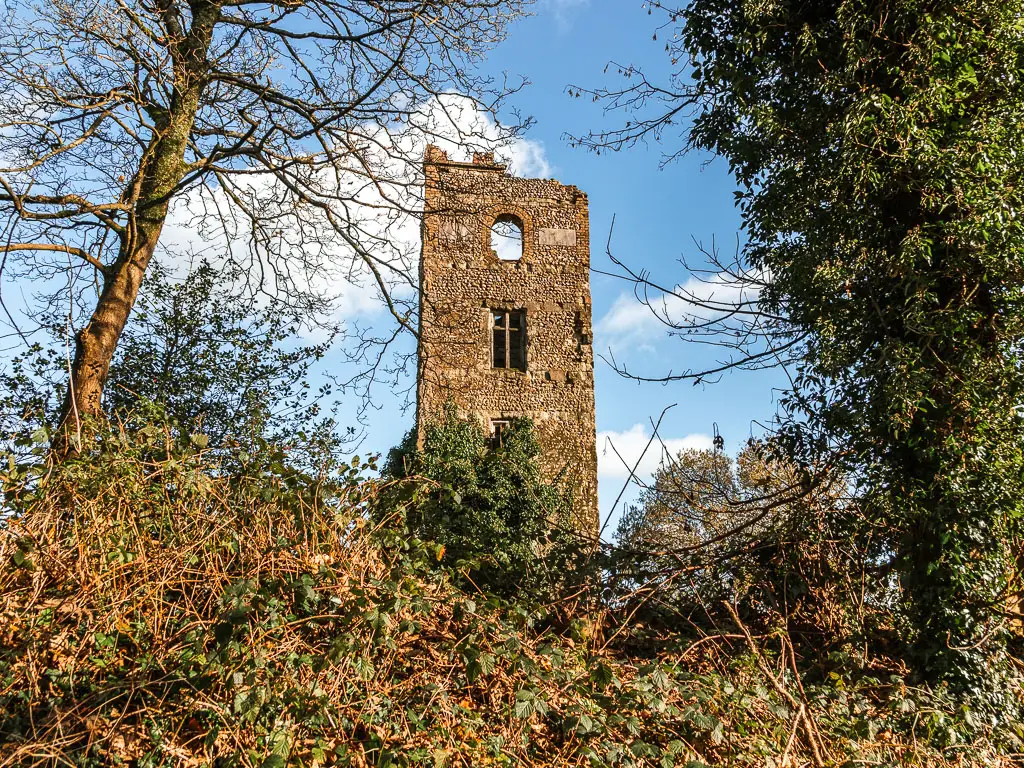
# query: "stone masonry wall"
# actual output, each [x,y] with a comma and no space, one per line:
[462,281]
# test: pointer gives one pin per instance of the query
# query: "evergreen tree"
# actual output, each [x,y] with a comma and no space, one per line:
[483,499]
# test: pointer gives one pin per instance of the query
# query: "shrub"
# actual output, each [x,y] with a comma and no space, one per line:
[485,501]
[762,534]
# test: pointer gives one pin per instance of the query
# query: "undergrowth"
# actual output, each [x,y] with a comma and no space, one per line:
[157,609]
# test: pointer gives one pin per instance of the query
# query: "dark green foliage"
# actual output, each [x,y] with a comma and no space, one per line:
[199,358]
[877,145]
[30,396]
[878,149]
[484,500]
[215,363]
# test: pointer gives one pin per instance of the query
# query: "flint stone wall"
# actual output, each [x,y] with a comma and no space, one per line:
[462,281]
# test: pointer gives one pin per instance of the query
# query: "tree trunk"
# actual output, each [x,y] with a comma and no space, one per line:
[96,342]
[161,170]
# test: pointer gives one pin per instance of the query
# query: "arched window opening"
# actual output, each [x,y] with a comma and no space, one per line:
[507,238]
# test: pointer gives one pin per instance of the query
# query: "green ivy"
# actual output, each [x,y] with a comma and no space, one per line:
[877,148]
[484,502]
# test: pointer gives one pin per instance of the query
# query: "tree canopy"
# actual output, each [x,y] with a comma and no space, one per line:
[877,150]
[275,125]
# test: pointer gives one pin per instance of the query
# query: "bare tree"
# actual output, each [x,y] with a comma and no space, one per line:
[280,126]
[718,307]
[718,304]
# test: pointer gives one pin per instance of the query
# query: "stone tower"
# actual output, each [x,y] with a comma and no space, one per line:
[505,314]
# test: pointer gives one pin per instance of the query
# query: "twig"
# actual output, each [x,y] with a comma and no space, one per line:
[800,707]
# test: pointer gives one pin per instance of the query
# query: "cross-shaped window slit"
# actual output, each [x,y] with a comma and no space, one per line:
[508,339]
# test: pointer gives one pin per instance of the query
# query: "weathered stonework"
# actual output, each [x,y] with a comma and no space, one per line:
[462,281]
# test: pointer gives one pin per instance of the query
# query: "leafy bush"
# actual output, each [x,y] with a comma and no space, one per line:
[193,356]
[484,501]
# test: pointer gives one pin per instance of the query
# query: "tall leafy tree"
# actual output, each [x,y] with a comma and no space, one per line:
[877,146]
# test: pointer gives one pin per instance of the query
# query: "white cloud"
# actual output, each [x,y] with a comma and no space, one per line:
[564,10]
[377,214]
[632,324]
[527,158]
[617,452]
[628,323]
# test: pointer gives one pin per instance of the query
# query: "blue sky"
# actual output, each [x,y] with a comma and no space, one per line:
[657,214]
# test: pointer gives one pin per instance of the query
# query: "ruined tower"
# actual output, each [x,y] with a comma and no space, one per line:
[505,318]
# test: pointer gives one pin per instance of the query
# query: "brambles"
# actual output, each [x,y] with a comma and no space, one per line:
[184,615]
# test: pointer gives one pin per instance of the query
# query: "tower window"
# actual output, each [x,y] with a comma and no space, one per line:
[498,427]
[508,339]
[507,238]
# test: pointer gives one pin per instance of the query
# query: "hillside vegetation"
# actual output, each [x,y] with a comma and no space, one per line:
[166,605]
[194,572]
